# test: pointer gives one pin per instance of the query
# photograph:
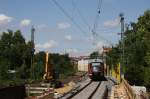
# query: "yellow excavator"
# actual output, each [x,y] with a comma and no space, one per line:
[48,75]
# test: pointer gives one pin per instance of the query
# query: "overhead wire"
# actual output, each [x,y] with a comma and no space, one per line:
[96,22]
[80,14]
[67,15]
[96,19]
[94,30]
[99,8]
[105,40]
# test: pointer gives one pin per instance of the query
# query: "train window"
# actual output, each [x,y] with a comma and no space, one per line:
[95,64]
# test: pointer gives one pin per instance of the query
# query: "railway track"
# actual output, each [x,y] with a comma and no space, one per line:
[86,92]
[80,90]
[92,94]
[92,90]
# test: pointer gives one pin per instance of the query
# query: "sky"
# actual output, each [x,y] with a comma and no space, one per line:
[69,29]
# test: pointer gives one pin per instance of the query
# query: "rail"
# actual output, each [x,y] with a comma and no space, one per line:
[92,94]
[102,93]
[79,90]
[98,90]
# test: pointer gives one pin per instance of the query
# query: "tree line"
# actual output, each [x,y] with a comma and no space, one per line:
[15,60]
[137,52]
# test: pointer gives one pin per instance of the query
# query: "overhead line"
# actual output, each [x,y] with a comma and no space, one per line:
[94,31]
[96,22]
[81,15]
[67,15]
[97,15]
[110,43]
[73,21]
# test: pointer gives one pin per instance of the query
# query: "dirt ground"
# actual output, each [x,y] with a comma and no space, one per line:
[75,78]
[120,92]
[69,83]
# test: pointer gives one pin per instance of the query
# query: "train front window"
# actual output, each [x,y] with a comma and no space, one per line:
[95,64]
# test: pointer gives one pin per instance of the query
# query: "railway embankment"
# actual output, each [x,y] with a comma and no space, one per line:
[51,90]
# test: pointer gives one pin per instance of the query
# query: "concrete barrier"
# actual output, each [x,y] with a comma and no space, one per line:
[129,90]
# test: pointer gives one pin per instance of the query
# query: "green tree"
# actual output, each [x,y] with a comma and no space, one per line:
[14,55]
[62,64]
[137,51]
[40,59]
[113,57]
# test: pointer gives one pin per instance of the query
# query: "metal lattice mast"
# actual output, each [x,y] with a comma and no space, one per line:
[32,51]
[122,42]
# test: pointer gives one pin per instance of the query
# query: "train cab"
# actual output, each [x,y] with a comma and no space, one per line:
[96,69]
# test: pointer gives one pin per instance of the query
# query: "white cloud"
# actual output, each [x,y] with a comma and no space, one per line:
[5,19]
[47,45]
[99,44]
[25,22]
[68,37]
[71,50]
[112,23]
[63,25]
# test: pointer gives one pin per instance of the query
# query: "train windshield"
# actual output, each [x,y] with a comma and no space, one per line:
[95,64]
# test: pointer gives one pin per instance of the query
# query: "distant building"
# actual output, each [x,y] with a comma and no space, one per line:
[106,49]
[83,65]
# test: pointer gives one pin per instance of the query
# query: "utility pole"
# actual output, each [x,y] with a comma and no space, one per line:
[122,43]
[32,52]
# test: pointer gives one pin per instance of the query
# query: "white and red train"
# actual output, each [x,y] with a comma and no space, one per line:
[96,69]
